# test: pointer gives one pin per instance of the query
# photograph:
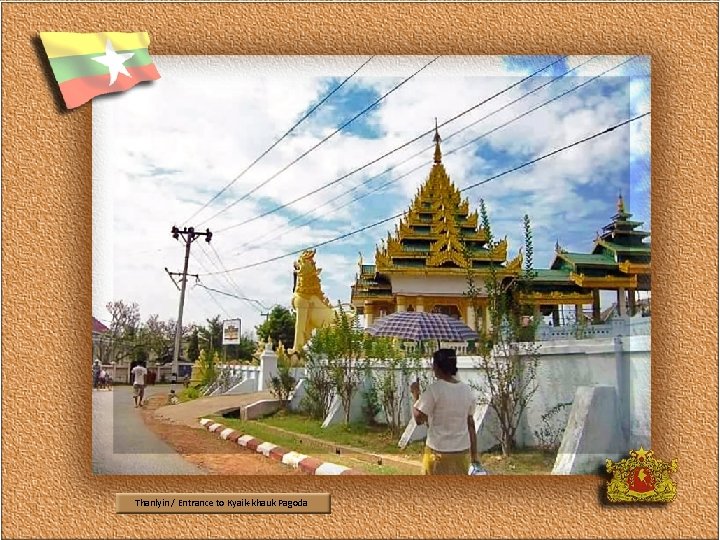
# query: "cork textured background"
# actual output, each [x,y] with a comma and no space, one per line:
[48,490]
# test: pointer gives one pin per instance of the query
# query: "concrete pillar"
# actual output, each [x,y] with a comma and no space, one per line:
[536,312]
[470,319]
[401,304]
[268,368]
[486,319]
[369,313]
[631,302]
[596,306]
[578,313]
[622,302]
[420,304]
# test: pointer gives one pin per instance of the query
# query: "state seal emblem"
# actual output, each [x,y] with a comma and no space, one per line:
[641,478]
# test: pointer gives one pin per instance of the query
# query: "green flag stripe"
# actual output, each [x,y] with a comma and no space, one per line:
[72,67]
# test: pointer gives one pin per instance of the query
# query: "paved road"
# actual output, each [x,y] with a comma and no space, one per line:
[122,444]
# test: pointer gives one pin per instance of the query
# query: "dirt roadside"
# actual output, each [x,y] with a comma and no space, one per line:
[206,450]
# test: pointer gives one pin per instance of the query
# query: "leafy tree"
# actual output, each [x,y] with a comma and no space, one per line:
[318,380]
[279,326]
[211,335]
[393,373]
[342,346]
[508,363]
[123,330]
[194,346]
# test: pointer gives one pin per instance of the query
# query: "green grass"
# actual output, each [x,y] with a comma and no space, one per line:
[188,394]
[374,439]
[310,448]
[520,462]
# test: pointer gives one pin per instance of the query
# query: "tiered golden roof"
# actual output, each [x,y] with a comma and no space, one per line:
[437,233]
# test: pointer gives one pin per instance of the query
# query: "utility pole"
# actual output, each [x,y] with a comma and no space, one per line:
[189,235]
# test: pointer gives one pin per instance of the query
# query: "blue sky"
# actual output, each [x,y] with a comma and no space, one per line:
[163,150]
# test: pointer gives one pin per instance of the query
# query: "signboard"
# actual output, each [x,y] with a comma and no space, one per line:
[231,332]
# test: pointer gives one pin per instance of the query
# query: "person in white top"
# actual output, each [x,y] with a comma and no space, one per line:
[139,373]
[447,406]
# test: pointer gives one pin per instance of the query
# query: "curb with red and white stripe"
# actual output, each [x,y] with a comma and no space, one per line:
[296,460]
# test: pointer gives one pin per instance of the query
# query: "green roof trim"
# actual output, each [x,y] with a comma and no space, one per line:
[626,249]
[588,259]
[542,276]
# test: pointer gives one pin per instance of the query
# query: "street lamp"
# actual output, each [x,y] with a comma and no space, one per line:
[113,365]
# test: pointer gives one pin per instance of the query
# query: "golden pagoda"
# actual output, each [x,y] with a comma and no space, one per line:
[423,266]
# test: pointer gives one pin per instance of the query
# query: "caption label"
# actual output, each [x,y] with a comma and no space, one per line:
[222,503]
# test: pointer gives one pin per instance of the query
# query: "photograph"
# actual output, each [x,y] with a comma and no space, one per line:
[372,265]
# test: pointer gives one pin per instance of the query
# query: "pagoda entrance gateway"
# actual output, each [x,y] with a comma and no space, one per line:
[423,264]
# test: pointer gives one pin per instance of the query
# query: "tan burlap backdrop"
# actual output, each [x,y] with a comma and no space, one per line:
[48,487]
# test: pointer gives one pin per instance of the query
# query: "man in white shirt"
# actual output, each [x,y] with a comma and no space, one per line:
[138,373]
[447,406]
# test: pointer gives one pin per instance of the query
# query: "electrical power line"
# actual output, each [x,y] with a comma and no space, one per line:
[312,110]
[200,284]
[231,282]
[230,279]
[408,143]
[506,172]
[271,235]
[338,130]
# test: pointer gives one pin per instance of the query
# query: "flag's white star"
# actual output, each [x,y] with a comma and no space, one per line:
[114,61]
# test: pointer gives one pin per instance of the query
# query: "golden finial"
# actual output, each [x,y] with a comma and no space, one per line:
[621,204]
[437,139]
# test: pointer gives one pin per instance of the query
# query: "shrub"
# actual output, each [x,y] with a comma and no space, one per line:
[318,384]
[282,384]
[548,436]
[371,404]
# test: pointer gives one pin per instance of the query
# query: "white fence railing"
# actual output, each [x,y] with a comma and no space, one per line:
[617,327]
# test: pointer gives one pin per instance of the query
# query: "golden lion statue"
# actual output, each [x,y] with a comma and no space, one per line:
[312,308]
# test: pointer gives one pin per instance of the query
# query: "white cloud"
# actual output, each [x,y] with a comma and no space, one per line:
[162,150]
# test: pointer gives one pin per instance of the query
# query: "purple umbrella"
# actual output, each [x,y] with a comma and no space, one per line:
[419,326]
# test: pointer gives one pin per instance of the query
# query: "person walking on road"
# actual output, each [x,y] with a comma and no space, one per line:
[447,406]
[139,372]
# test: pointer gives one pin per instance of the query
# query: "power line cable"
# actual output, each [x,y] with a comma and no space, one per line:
[506,172]
[200,284]
[271,235]
[230,279]
[408,143]
[233,285]
[338,130]
[266,152]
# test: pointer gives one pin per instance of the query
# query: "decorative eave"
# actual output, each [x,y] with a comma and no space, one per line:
[628,267]
[619,248]
[555,298]
[516,264]
[480,273]
[608,282]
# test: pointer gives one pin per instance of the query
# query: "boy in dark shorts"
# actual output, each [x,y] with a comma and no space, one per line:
[139,372]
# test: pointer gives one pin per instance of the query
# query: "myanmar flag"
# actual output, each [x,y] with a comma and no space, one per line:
[89,65]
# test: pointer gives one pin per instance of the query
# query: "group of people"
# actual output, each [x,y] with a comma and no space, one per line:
[101,378]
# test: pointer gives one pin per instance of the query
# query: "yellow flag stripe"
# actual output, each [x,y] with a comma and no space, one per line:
[59,44]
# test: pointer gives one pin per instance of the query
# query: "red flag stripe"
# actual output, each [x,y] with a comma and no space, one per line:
[83,89]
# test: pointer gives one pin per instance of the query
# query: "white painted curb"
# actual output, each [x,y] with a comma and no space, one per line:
[329,469]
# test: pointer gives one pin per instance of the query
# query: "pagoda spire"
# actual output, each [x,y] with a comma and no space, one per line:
[620,204]
[437,139]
